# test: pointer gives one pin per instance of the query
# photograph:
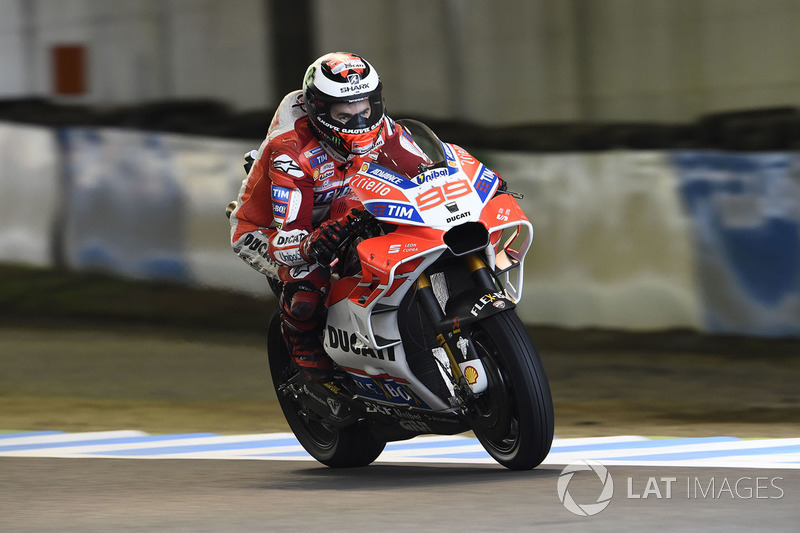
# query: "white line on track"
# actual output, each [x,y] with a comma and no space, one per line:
[617,450]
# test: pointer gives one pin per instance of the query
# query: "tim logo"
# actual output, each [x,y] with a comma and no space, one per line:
[318,160]
[391,210]
[281,194]
[485,183]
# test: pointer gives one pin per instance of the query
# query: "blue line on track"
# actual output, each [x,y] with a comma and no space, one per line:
[637,449]
[95,441]
[196,448]
[294,453]
[709,454]
[391,446]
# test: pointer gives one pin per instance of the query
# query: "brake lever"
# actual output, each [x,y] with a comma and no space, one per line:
[354,227]
[517,195]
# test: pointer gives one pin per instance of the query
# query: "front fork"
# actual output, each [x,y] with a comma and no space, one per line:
[468,375]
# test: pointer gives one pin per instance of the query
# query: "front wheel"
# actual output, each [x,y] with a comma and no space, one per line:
[335,447]
[513,418]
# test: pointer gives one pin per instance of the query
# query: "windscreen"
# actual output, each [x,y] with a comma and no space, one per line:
[420,150]
[424,138]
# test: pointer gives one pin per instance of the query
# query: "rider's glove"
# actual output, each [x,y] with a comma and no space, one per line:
[322,244]
[362,222]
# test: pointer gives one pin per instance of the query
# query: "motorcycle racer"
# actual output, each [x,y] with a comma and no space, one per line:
[318,139]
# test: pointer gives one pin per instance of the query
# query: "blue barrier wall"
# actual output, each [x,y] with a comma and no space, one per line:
[745,215]
[125,204]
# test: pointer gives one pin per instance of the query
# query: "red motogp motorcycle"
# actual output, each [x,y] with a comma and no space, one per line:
[421,322]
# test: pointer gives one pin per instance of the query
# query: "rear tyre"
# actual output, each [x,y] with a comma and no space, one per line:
[331,446]
[514,417]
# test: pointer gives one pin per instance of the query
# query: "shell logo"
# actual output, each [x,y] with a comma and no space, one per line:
[471,375]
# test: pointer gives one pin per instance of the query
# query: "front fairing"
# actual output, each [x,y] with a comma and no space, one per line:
[452,191]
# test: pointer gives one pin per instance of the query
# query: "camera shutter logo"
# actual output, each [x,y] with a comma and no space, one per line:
[588,509]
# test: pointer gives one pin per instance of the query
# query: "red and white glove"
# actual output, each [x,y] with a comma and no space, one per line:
[322,244]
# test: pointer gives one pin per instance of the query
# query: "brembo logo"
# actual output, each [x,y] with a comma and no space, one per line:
[339,339]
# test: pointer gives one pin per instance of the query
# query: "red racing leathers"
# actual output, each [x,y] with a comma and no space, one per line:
[287,193]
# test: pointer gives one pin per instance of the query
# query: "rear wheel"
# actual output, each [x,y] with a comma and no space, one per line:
[332,446]
[513,418]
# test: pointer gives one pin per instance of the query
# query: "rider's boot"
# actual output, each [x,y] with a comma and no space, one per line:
[302,312]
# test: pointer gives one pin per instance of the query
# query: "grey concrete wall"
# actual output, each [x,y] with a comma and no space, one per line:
[491,61]
[140,50]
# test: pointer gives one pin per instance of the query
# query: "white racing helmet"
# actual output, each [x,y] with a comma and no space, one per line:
[343,78]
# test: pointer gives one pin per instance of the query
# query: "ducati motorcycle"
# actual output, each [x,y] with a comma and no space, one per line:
[421,321]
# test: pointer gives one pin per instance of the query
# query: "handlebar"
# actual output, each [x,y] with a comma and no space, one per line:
[230,208]
[363,224]
[358,223]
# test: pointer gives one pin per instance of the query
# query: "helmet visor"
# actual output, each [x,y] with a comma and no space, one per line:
[353,117]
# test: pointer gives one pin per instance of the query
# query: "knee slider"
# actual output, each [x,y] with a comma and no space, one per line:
[302,302]
[303,305]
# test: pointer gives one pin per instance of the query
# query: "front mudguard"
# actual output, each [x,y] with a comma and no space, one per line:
[462,311]
[473,305]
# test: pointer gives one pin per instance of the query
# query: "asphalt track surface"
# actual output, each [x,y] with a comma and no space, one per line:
[88,495]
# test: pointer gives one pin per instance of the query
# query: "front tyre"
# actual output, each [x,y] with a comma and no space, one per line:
[513,418]
[331,446]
